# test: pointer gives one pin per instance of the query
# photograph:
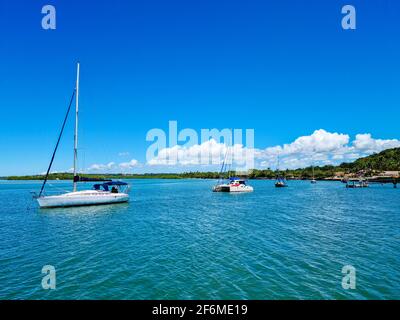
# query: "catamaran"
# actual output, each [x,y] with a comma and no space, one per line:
[234,184]
[107,192]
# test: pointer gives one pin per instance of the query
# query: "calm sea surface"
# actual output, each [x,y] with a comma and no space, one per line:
[178,240]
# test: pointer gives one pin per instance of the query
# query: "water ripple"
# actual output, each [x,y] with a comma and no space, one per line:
[178,240]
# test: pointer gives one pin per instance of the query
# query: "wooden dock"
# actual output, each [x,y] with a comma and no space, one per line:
[394,180]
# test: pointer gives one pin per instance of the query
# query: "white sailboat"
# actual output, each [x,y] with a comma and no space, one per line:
[313,181]
[101,194]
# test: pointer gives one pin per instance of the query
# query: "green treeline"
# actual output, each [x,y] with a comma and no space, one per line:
[387,160]
[69,176]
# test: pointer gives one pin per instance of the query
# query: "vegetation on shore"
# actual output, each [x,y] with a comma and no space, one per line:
[387,160]
[69,176]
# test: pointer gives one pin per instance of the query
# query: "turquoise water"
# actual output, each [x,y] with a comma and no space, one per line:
[178,240]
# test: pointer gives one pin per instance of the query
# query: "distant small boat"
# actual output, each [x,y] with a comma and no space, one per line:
[313,176]
[280,182]
[101,193]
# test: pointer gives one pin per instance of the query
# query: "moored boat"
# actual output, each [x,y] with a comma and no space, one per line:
[234,185]
[101,193]
[83,198]
[280,182]
[313,181]
[357,183]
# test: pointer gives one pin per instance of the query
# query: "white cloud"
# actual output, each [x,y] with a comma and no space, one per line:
[210,152]
[123,154]
[113,167]
[321,148]
[102,167]
[320,141]
[368,144]
[128,165]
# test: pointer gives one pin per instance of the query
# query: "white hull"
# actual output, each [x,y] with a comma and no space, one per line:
[241,188]
[230,188]
[82,198]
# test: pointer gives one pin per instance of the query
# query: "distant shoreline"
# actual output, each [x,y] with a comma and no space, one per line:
[165,178]
[177,176]
[184,176]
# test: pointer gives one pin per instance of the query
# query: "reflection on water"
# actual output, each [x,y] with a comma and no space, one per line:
[176,239]
[86,210]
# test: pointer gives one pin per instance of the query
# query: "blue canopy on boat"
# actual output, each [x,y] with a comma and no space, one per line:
[235,178]
[115,183]
[109,183]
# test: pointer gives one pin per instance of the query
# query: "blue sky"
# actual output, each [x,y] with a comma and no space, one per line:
[283,68]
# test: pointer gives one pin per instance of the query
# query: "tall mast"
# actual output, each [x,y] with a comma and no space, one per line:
[76,127]
[277,165]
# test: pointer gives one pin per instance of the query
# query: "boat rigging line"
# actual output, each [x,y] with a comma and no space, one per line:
[58,141]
